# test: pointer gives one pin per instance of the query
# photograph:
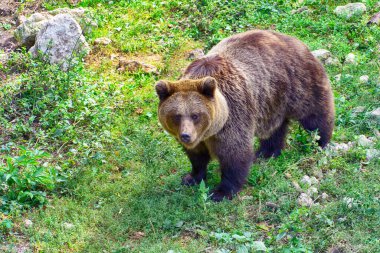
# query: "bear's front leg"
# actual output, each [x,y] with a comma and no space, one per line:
[235,162]
[199,158]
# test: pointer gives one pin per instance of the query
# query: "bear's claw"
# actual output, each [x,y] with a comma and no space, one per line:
[189,180]
[218,195]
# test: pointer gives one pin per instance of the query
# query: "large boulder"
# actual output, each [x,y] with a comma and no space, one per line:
[29,27]
[81,15]
[59,40]
[350,10]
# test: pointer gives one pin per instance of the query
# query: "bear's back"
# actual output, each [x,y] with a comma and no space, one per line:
[268,75]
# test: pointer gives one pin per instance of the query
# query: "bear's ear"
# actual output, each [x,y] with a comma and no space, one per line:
[162,90]
[208,87]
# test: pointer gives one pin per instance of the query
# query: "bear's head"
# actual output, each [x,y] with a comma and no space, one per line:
[191,110]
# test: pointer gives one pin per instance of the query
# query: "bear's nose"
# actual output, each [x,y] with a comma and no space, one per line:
[186,138]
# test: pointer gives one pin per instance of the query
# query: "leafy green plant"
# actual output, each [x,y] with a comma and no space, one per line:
[25,180]
[6,26]
[239,242]
[203,194]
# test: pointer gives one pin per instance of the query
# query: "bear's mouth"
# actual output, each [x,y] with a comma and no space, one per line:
[189,145]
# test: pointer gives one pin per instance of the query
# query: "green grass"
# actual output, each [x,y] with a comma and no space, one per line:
[118,174]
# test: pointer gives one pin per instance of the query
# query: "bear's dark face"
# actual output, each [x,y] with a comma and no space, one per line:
[186,108]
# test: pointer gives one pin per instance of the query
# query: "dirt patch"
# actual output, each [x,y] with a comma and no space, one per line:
[10,10]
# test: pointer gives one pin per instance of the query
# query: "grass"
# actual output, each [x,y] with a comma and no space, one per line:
[117,180]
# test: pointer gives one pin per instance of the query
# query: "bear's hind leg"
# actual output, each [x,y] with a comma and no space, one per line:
[199,158]
[321,122]
[272,146]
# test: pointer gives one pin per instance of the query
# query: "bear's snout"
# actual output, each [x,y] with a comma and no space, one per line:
[186,138]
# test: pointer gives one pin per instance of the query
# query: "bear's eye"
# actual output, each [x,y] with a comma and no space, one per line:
[194,117]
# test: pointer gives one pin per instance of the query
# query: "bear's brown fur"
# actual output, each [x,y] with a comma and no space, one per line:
[250,84]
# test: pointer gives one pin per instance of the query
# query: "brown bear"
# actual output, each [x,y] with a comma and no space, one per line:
[250,84]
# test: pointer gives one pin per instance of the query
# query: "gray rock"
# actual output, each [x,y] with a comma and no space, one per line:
[306,181]
[350,10]
[3,58]
[305,200]
[322,54]
[358,109]
[332,61]
[326,57]
[350,59]
[59,40]
[376,114]
[312,191]
[29,27]
[28,223]
[314,180]
[102,41]
[81,15]
[68,225]
[27,31]
[344,147]
[372,154]
[195,54]
[338,77]
[303,9]
[364,79]
[363,141]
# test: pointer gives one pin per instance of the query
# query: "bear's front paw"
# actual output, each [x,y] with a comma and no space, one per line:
[218,195]
[189,180]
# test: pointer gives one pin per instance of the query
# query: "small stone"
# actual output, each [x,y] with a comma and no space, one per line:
[68,225]
[358,109]
[332,61]
[272,205]
[102,41]
[324,196]
[312,191]
[350,59]
[341,146]
[246,197]
[314,181]
[338,77]
[305,200]
[195,54]
[376,114]
[28,223]
[364,141]
[3,58]
[300,10]
[350,10]
[306,180]
[342,219]
[348,201]
[135,66]
[375,19]
[318,173]
[348,76]
[377,133]
[364,79]
[372,154]
[322,54]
